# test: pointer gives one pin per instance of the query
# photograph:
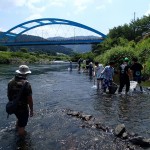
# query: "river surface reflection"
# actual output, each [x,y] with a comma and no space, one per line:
[55,90]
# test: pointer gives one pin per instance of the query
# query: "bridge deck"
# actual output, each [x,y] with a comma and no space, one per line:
[57,42]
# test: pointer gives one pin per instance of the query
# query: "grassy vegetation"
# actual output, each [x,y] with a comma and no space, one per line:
[7,57]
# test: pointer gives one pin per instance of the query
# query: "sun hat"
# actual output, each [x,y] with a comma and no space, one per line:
[23,69]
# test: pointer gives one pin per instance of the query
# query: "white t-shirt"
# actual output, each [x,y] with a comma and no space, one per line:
[98,70]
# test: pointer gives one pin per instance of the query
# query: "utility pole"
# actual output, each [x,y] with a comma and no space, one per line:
[134,27]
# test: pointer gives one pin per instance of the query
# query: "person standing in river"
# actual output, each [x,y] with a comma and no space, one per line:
[25,104]
[108,74]
[70,65]
[97,74]
[136,68]
[124,76]
[79,64]
[91,69]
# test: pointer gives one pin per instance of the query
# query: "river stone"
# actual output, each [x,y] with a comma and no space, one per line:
[125,135]
[139,140]
[148,88]
[86,117]
[73,113]
[91,122]
[100,126]
[146,142]
[132,134]
[130,147]
[120,129]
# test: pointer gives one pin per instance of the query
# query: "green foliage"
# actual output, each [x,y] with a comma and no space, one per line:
[143,50]
[89,56]
[102,47]
[84,56]
[76,57]
[126,41]
[124,35]
[116,54]
[4,57]
[20,57]
[147,67]
[24,50]
[3,48]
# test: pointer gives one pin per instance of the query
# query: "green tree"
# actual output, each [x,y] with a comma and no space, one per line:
[3,48]
[24,50]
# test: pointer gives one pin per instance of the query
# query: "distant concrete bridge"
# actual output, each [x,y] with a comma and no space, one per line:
[9,38]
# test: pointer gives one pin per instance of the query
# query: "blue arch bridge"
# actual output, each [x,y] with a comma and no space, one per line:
[10,38]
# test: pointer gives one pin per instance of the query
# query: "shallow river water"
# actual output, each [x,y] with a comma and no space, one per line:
[56,90]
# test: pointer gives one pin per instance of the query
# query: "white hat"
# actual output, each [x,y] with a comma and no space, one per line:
[23,69]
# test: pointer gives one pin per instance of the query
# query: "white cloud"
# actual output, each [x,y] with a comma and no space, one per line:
[103,4]
[110,1]
[1,29]
[58,3]
[10,4]
[33,16]
[82,5]
[100,7]
[40,6]
[147,13]
[18,3]
[34,8]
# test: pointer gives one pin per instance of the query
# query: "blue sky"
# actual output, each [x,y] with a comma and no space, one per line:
[101,15]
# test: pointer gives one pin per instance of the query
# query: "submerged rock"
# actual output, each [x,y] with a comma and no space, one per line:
[73,113]
[139,140]
[120,129]
[85,117]
[125,135]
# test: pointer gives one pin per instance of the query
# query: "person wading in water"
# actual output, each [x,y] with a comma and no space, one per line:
[25,104]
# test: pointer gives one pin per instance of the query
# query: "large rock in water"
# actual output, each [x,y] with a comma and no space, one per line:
[120,129]
[139,140]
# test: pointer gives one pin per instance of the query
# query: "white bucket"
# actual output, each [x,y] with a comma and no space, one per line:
[133,85]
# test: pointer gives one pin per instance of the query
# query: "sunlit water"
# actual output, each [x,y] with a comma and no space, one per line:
[56,90]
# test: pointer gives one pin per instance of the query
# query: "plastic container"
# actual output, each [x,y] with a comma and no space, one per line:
[113,88]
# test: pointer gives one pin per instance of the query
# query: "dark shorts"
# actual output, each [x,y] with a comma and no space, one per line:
[22,118]
[138,79]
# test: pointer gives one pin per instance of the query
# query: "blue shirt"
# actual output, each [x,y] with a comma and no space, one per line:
[108,72]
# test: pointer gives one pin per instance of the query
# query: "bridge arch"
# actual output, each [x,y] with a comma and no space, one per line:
[42,22]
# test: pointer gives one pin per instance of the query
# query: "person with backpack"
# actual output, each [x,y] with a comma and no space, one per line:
[25,103]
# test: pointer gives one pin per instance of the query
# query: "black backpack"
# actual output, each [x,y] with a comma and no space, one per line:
[11,106]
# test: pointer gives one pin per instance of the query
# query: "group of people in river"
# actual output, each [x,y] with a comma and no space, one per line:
[104,76]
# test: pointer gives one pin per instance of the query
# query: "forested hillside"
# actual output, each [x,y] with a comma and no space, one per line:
[50,49]
[130,40]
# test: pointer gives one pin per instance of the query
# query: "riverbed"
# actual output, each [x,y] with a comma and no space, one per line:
[56,90]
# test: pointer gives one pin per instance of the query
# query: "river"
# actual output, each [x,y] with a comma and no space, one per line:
[56,90]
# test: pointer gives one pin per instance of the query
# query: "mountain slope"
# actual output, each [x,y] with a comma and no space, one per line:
[52,49]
